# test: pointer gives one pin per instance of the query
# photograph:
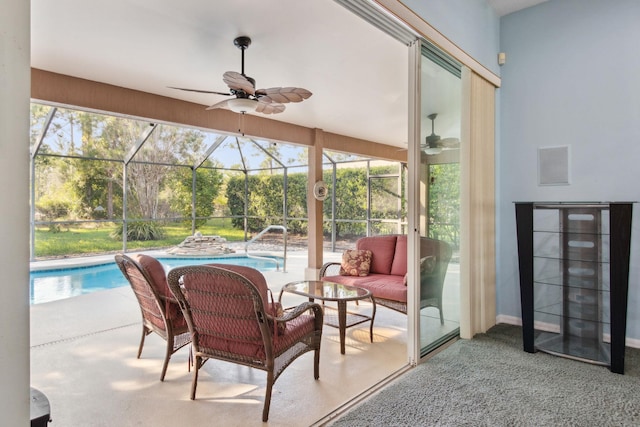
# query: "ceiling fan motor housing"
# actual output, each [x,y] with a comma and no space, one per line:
[242,42]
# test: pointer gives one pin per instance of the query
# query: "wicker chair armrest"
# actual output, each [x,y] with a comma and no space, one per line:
[298,310]
[169,299]
[330,269]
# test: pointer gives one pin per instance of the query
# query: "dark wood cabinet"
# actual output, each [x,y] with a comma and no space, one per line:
[574,275]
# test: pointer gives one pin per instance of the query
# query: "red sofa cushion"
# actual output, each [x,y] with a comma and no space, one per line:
[399,265]
[381,285]
[383,249]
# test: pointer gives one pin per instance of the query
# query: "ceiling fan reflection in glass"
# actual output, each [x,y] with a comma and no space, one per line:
[433,144]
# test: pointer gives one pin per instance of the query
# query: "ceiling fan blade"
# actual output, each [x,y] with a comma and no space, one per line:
[237,81]
[449,142]
[283,94]
[269,108]
[221,104]
[199,90]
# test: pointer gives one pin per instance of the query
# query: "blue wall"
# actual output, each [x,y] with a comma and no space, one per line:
[471,24]
[572,77]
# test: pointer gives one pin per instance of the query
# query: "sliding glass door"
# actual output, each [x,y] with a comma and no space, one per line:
[439,194]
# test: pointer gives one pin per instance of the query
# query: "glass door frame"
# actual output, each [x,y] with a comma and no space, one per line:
[417,203]
[413,200]
[477,158]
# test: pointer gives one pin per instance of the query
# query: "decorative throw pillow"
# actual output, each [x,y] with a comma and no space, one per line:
[356,262]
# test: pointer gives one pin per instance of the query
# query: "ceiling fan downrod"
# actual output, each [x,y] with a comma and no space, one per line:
[242,43]
[433,138]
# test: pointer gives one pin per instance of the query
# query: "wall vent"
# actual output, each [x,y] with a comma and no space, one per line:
[553,165]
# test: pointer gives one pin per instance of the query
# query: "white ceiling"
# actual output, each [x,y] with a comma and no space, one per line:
[358,75]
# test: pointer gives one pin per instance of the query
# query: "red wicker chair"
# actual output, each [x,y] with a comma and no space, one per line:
[160,311]
[231,318]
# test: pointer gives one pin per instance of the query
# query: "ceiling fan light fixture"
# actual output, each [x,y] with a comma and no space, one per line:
[242,105]
[432,151]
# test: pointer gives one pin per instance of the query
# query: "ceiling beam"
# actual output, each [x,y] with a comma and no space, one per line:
[72,92]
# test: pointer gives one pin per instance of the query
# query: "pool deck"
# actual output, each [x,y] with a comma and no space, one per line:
[83,358]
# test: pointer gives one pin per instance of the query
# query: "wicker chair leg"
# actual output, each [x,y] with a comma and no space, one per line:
[194,382]
[267,397]
[145,332]
[316,364]
[167,356]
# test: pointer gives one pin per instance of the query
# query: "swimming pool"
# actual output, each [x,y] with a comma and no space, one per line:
[56,284]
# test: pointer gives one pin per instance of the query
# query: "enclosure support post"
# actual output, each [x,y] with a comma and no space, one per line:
[314,206]
[246,205]
[124,207]
[193,201]
[334,210]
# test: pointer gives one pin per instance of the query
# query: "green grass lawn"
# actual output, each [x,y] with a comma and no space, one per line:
[79,239]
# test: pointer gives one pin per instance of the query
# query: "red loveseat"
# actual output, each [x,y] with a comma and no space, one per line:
[387,275]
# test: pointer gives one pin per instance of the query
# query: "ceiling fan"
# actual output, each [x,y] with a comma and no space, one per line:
[247,97]
[434,144]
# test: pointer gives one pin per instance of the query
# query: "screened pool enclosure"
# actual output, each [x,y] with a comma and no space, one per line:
[101,183]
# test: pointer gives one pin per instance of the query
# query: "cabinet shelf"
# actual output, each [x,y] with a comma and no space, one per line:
[578,312]
[583,349]
[574,274]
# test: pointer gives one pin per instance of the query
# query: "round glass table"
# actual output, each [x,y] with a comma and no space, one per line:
[341,294]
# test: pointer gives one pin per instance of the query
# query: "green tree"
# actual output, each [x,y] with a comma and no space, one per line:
[297,203]
[265,196]
[444,202]
[151,174]
[351,201]
[235,199]
[208,184]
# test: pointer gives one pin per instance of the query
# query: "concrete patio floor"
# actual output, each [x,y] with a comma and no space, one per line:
[83,358]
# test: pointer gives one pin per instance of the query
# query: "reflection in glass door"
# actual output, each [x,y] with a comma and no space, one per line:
[386,213]
[439,223]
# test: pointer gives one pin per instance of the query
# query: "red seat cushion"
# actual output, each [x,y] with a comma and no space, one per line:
[380,285]
[252,346]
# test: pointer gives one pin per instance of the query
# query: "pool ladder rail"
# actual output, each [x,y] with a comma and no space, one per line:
[259,235]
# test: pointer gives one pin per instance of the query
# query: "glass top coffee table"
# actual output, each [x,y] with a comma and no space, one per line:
[341,294]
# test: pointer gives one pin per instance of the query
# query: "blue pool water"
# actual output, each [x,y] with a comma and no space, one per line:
[55,284]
